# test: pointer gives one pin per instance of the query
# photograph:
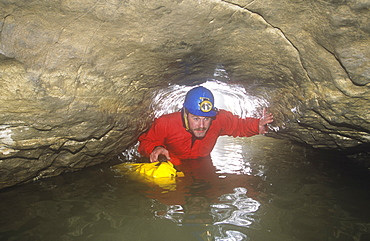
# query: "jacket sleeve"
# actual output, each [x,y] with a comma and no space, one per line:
[155,136]
[233,125]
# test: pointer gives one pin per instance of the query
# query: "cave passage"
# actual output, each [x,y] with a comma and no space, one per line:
[78,77]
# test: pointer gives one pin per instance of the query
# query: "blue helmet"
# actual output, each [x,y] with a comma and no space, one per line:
[200,101]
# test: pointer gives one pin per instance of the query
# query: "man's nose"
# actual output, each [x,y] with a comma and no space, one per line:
[201,123]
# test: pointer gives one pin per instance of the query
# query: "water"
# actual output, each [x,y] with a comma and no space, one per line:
[254,188]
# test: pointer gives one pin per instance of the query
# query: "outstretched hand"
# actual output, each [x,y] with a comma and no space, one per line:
[267,118]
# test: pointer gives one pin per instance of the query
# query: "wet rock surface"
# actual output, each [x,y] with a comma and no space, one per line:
[78,77]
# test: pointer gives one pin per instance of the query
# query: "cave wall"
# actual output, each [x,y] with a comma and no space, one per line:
[77,77]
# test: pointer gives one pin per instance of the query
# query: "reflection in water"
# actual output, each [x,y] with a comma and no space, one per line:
[234,209]
[237,209]
[228,157]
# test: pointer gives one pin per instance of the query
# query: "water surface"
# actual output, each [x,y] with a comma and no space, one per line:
[254,188]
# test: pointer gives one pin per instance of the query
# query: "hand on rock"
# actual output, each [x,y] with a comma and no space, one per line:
[267,118]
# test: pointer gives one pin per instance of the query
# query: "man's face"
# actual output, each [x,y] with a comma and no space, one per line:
[199,125]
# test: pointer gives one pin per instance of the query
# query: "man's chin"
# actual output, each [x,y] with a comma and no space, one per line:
[199,135]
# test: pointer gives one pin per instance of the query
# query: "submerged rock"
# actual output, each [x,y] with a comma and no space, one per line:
[78,77]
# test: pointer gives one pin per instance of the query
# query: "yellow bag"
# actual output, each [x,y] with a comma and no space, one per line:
[160,173]
[154,169]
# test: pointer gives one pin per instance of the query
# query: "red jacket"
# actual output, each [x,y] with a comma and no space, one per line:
[169,131]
